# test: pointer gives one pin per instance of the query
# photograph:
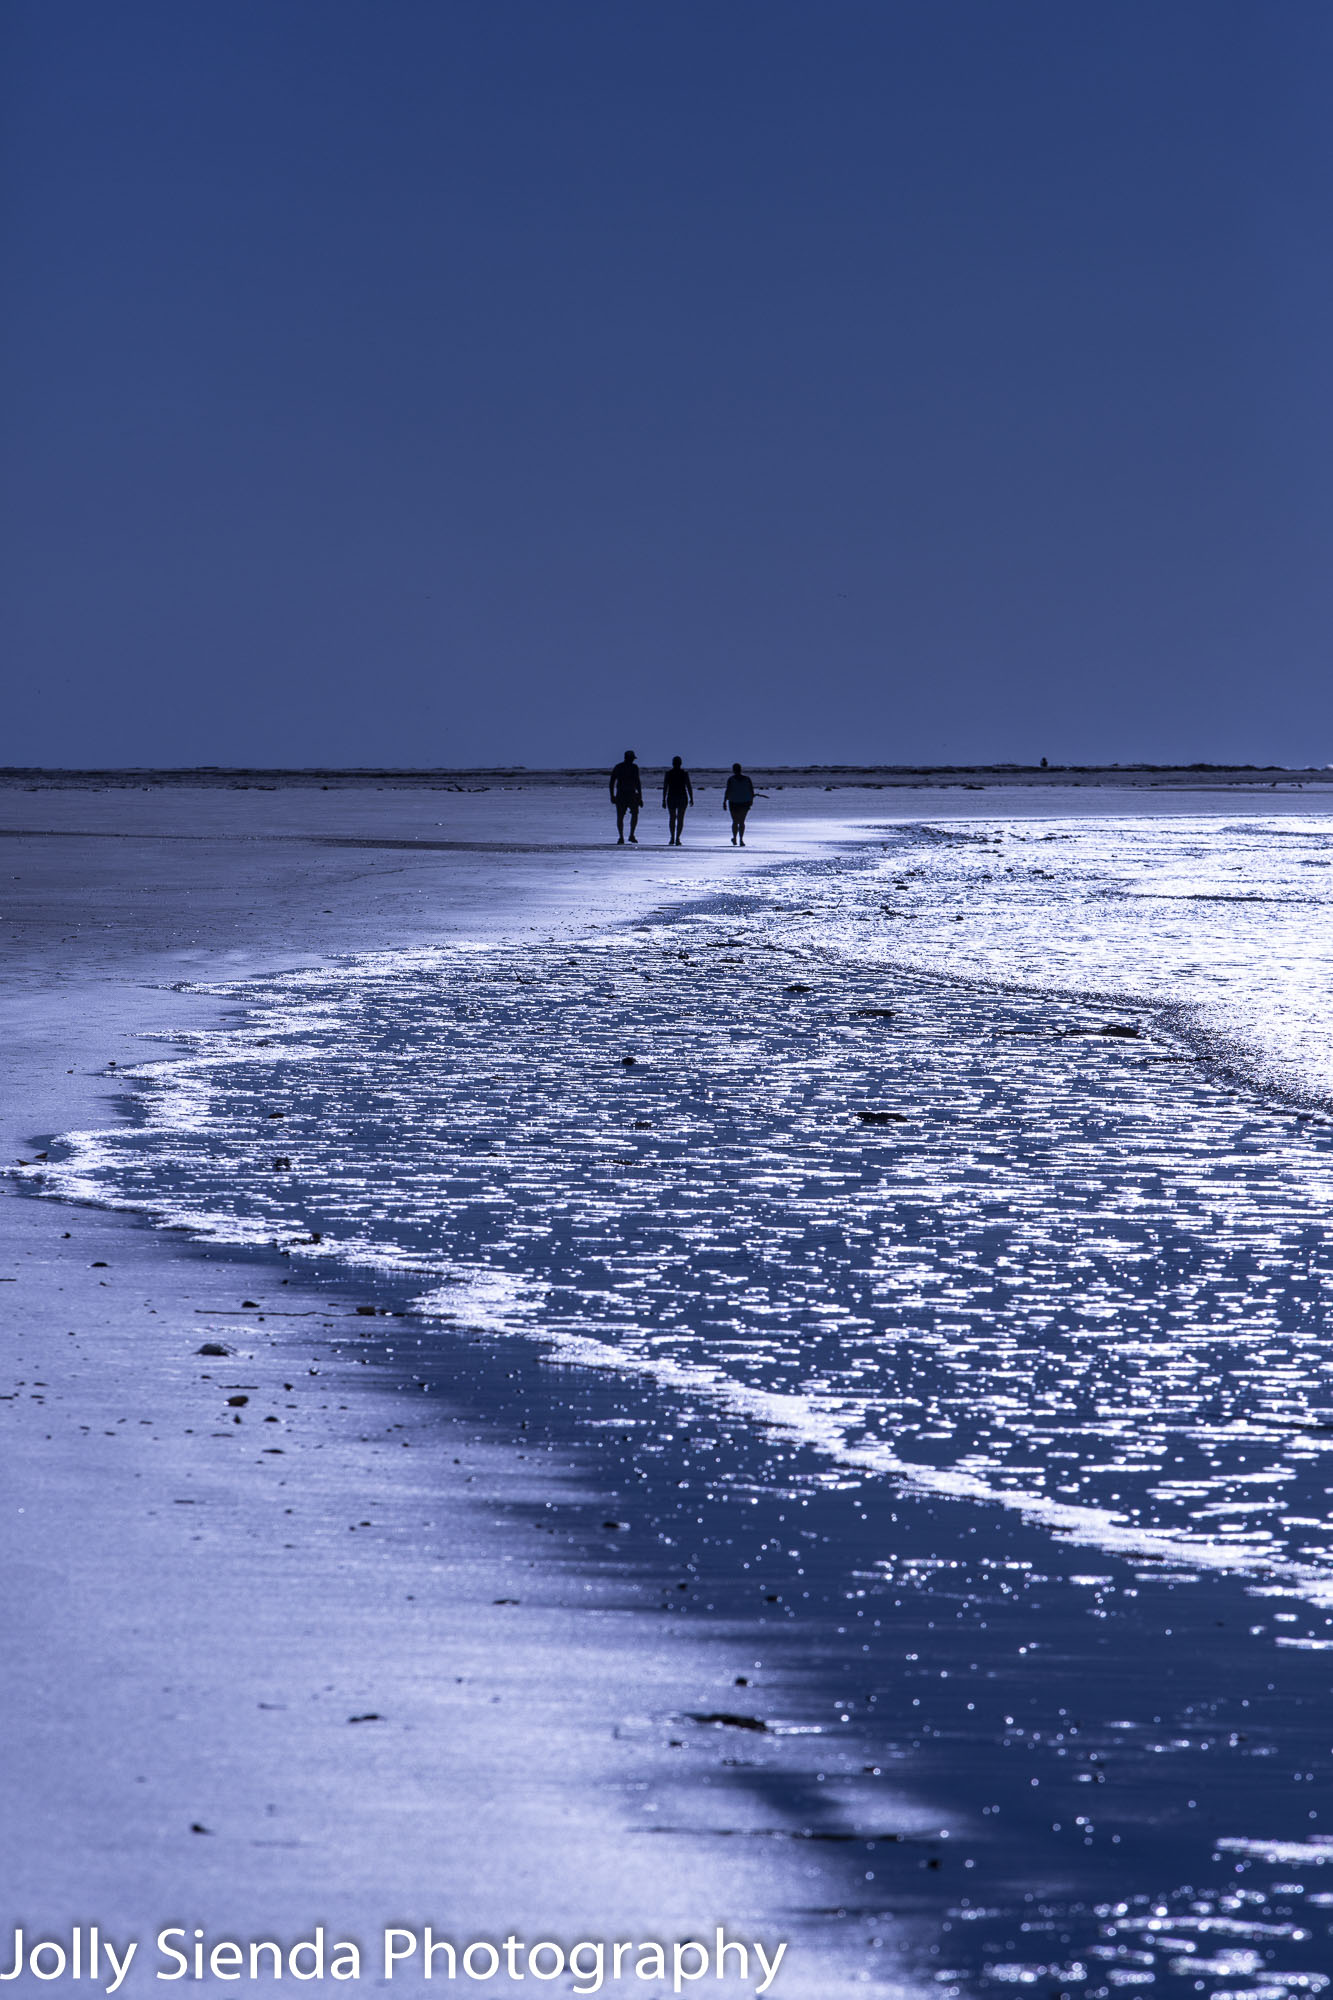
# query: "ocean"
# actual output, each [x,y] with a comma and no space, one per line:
[947,1220]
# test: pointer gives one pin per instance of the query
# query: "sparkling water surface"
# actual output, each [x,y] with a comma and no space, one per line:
[990,1165]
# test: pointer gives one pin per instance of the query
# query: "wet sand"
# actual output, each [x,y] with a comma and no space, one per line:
[193,1619]
[183,1651]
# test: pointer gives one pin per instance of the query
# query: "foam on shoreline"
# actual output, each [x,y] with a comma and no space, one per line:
[509,1061]
[885,1605]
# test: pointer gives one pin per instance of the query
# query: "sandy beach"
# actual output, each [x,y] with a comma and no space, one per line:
[191,1623]
[747,1410]
[320,1612]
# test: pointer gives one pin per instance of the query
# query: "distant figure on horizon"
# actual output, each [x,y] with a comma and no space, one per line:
[627,796]
[677,793]
[738,798]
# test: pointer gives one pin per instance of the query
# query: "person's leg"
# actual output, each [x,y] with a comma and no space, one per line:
[633,822]
[680,824]
[740,823]
[620,825]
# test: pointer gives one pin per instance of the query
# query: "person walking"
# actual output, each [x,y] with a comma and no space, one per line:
[627,797]
[738,798]
[677,793]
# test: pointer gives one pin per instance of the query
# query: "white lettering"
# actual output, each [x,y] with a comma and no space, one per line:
[347,1962]
[392,1954]
[726,1944]
[120,1966]
[433,1945]
[769,1970]
[317,1947]
[678,1961]
[471,1969]
[169,1950]
[593,1971]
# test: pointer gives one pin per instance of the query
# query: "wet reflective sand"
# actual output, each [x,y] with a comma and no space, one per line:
[963,1328]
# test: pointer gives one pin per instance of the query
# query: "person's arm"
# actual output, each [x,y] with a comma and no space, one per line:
[689,788]
[612,785]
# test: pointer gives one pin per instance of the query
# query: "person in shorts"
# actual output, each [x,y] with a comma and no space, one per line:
[738,798]
[626,797]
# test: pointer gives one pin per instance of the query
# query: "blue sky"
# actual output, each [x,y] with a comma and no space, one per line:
[454,381]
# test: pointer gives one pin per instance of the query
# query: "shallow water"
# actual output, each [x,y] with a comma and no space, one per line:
[850,1168]
[1229,919]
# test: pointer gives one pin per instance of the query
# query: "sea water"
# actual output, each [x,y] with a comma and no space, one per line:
[987,1168]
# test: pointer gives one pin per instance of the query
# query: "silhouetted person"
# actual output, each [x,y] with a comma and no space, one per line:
[626,797]
[677,793]
[738,798]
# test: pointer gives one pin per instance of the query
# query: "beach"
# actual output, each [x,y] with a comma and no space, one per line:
[624,1495]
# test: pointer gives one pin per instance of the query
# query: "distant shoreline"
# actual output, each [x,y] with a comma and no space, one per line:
[830,777]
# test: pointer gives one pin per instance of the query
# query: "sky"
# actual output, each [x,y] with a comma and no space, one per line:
[456,382]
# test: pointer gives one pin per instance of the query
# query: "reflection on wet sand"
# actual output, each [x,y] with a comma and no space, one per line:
[992,1321]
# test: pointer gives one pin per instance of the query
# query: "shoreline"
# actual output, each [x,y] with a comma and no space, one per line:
[580,1843]
[192,1622]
